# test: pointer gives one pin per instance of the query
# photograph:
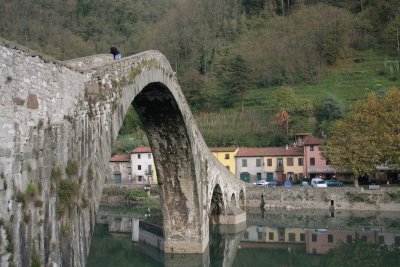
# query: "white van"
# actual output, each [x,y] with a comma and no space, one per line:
[318,182]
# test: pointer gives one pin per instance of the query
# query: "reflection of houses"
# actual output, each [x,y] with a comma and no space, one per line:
[121,167]
[320,241]
[143,171]
[225,155]
[280,235]
[270,163]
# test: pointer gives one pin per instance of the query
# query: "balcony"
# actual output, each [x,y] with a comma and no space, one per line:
[279,169]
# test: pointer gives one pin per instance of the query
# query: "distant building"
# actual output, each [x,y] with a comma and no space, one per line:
[269,163]
[226,155]
[121,168]
[249,164]
[284,163]
[142,166]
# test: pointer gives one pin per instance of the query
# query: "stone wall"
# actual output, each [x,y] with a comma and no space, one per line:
[57,126]
[344,198]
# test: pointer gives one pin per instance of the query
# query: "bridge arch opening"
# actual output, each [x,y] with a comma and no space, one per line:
[170,144]
[241,199]
[233,200]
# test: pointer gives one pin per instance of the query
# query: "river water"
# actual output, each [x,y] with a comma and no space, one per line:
[269,238]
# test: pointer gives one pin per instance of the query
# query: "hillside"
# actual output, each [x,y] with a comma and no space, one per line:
[240,63]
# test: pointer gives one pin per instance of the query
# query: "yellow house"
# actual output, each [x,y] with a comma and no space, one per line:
[226,155]
[284,163]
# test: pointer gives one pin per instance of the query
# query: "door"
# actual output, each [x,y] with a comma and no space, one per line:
[245,177]
[117,177]
[258,176]
[270,176]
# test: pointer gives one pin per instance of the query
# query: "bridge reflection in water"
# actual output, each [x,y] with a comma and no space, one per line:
[272,238]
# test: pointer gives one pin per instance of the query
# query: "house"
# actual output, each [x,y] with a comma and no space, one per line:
[226,155]
[270,163]
[121,168]
[284,163]
[142,166]
[249,164]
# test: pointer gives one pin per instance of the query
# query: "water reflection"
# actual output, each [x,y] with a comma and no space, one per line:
[271,238]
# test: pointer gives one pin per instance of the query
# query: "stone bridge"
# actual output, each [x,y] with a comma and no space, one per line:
[58,123]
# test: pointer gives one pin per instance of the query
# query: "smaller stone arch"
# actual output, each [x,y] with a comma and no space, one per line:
[241,199]
[217,206]
[233,200]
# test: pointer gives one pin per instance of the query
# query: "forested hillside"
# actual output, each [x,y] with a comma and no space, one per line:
[254,71]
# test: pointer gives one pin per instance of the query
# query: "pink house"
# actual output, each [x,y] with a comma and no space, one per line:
[315,165]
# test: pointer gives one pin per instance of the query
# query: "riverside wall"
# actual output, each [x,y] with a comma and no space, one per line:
[339,198]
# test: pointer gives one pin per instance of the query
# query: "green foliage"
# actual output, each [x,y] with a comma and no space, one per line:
[131,122]
[237,80]
[67,192]
[32,190]
[327,111]
[72,168]
[35,261]
[38,203]
[56,173]
[21,198]
[360,197]
[367,136]
[126,143]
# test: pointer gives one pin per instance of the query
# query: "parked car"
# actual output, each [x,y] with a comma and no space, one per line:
[318,182]
[274,183]
[333,182]
[305,184]
[287,184]
[261,183]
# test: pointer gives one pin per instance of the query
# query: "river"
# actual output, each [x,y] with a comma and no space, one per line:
[269,238]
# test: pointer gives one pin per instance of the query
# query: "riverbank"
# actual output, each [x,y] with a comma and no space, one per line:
[339,198]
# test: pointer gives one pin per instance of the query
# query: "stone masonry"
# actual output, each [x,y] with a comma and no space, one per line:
[58,122]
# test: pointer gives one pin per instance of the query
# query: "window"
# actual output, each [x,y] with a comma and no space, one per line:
[292,237]
[138,156]
[269,162]
[281,236]
[140,178]
[312,161]
[246,235]
[149,170]
[349,239]
[330,238]
[314,237]
[381,239]
[302,237]
[149,156]
[289,161]
[226,156]
[311,148]
[271,236]
[139,167]
[364,238]
[397,240]
[279,162]
[258,162]
[300,161]
[328,162]
[260,235]
[244,162]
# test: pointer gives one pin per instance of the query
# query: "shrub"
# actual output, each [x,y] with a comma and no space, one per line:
[72,168]
[67,192]
[32,190]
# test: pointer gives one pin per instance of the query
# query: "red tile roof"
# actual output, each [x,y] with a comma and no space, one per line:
[269,151]
[312,140]
[141,149]
[120,158]
[223,149]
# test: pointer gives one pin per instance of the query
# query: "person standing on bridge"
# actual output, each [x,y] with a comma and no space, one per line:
[115,52]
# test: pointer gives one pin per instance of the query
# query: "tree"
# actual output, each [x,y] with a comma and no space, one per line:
[327,111]
[238,79]
[368,136]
